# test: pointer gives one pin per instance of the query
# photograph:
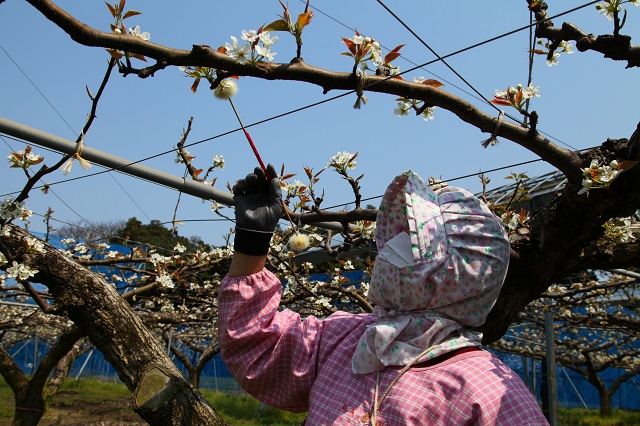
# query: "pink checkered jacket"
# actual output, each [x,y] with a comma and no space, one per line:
[305,365]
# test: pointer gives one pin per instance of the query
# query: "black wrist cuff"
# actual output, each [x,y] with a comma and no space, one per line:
[253,243]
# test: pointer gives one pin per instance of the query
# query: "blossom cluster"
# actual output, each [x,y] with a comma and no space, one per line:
[10,210]
[366,228]
[20,271]
[512,220]
[552,58]
[610,8]
[516,97]
[599,176]
[24,159]
[619,230]
[256,47]
[436,184]
[363,49]
[343,161]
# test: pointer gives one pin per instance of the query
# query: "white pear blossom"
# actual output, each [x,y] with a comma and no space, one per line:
[238,52]
[342,160]
[179,248]
[249,36]
[35,245]
[265,52]
[20,271]
[218,162]
[403,109]
[427,114]
[266,39]
[366,228]
[609,8]
[135,31]
[157,259]
[165,281]
[10,210]
[81,248]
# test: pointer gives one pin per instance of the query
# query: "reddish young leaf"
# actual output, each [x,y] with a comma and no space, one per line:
[523,215]
[500,101]
[287,176]
[308,172]
[626,165]
[519,97]
[138,56]
[115,53]
[350,45]
[393,54]
[433,83]
[131,13]
[122,3]
[111,9]
[285,14]
[195,84]
[389,57]
[352,158]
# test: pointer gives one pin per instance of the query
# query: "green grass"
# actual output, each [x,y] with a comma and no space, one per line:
[237,410]
[6,400]
[244,410]
[581,417]
[93,390]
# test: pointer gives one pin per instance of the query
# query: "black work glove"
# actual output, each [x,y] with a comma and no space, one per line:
[258,201]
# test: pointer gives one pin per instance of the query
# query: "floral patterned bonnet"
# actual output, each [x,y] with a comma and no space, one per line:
[442,259]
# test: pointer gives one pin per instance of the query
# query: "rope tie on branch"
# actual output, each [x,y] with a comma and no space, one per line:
[66,167]
[493,140]
[361,78]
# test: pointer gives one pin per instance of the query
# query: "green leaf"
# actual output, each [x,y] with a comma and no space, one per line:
[279,25]
[131,13]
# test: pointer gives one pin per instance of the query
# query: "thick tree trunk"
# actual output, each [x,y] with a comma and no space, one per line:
[161,394]
[565,236]
[29,392]
[605,403]
[62,368]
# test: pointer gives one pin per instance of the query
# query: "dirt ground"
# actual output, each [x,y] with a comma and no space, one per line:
[67,410]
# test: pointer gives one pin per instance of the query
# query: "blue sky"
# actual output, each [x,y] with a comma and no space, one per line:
[585,99]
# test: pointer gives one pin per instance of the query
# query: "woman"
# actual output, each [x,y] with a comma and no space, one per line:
[442,259]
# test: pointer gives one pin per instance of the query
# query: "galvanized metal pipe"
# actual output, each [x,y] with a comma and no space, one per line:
[122,165]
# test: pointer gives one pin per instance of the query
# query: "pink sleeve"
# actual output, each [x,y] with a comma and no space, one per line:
[272,354]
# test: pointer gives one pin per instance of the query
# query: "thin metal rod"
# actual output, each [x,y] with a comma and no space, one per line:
[122,165]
